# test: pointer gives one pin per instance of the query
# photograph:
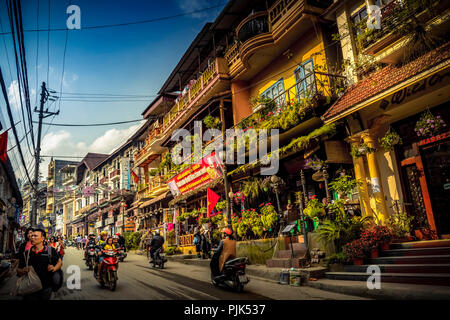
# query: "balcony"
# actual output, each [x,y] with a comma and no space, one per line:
[212,81]
[115,174]
[68,180]
[144,156]
[253,26]
[387,43]
[267,34]
[103,180]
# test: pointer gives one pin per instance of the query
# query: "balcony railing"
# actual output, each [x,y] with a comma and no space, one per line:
[114,173]
[103,180]
[199,86]
[68,179]
[393,16]
[279,9]
[187,240]
[252,26]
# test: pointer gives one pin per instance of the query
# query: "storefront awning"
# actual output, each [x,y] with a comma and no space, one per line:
[152,201]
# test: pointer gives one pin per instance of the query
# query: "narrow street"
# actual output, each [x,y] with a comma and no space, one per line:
[139,281]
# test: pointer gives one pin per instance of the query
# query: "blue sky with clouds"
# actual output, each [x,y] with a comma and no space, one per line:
[133,59]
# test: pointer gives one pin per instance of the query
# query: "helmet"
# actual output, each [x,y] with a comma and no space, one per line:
[115,237]
[156,232]
[227,231]
[91,235]
[104,233]
[118,234]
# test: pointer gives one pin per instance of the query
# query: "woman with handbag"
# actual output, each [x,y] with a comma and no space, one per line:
[42,261]
[61,247]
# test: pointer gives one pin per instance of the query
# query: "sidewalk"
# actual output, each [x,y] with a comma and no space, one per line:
[388,291]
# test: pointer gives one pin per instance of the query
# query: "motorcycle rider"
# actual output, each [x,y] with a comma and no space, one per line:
[121,241]
[156,243]
[99,247]
[91,242]
[225,251]
[107,245]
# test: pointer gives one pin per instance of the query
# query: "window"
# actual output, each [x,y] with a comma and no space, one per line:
[358,21]
[304,78]
[382,3]
[275,91]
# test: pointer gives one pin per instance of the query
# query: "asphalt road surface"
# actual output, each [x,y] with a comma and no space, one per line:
[137,280]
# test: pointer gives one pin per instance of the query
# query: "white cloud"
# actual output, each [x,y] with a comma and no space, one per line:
[13,95]
[194,5]
[62,143]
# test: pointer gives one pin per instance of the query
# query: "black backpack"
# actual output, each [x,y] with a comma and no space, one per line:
[58,276]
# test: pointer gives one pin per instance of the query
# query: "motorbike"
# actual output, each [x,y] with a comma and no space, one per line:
[122,254]
[159,259]
[90,257]
[108,271]
[232,275]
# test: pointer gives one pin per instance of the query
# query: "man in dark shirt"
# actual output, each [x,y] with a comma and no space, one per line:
[42,264]
[156,243]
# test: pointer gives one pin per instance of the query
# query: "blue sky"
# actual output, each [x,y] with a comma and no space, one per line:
[134,59]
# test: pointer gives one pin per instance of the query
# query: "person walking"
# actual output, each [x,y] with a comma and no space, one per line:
[26,244]
[78,242]
[61,247]
[42,263]
[83,242]
[198,242]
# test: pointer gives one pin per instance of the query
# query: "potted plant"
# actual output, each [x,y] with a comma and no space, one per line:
[212,122]
[355,251]
[269,216]
[361,150]
[428,124]
[400,226]
[344,185]
[314,208]
[389,140]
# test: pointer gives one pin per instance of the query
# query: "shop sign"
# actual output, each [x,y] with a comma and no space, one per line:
[418,88]
[109,221]
[434,139]
[197,175]
[99,224]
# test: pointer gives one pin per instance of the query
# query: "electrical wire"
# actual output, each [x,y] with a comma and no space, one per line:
[13,127]
[90,125]
[18,65]
[127,23]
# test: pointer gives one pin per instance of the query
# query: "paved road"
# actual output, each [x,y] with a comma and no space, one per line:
[139,281]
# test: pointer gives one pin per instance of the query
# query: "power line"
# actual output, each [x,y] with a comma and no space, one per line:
[124,100]
[48,44]
[37,54]
[20,75]
[106,94]
[89,125]
[126,23]
[13,127]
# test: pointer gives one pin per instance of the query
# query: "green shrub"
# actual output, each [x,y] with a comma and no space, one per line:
[132,240]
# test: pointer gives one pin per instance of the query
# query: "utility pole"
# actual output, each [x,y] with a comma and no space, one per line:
[44,97]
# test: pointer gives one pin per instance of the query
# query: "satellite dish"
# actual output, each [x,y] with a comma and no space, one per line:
[318,176]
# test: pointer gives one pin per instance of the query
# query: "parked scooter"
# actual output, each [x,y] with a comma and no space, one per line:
[159,259]
[108,271]
[233,273]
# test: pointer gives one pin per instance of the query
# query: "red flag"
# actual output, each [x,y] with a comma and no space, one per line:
[213,198]
[3,146]
[135,177]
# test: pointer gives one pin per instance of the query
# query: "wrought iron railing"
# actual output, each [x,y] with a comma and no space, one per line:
[253,26]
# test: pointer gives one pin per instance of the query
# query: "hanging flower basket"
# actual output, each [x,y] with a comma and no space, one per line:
[361,150]
[429,125]
[390,140]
